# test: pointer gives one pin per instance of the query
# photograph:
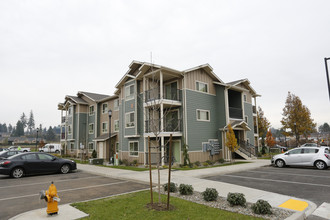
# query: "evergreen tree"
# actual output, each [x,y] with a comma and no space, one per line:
[19,129]
[31,124]
[4,128]
[23,120]
[325,128]
[10,128]
[50,134]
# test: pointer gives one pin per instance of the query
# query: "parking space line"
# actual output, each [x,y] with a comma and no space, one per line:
[57,181]
[292,174]
[281,181]
[87,187]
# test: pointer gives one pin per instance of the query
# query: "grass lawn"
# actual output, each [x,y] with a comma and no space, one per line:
[133,206]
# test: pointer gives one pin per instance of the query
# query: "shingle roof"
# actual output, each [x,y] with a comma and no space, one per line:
[77,100]
[94,96]
[236,82]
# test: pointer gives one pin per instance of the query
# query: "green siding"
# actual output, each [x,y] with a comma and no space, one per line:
[249,113]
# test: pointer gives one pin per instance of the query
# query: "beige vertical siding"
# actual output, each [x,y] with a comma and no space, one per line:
[203,156]
[201,76]
[140,158]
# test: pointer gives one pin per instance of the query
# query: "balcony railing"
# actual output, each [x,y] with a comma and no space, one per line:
[235,113]
[63,119]
[154,126]
[63,136]
[255,129]
[154,94]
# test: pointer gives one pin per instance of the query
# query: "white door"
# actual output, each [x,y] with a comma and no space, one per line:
[100,150]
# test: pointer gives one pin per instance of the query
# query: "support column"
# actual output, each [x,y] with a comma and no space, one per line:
[162,150]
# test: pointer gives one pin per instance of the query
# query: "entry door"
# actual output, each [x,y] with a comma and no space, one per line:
[171,91]
[177,151]
[101,148]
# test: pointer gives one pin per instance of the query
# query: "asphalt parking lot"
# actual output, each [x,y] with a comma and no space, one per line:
[21,195]
[305,183]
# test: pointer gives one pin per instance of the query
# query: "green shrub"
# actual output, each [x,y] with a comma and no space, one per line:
[126,163]
[210,194]
[210,162]
[261,207]
[186,189]
[221,160]
[135,162]
[236,199]
[173,187]
[94,154]
[197,163]
[205,164]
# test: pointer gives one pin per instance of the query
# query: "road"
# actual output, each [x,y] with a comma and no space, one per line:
[305,183]
[21,195]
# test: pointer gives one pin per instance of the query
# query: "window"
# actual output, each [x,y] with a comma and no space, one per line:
[203,115]
[246,119]
[30,157]
[244,98]
[70,111]
[134,148]
[104,127]
[116,105]
[104,108]
[45,157]
[295,151]
[117,147]
[116,125]
[90,146]
[129,120]
[129,92]
[202,87]
[91,110]
[71,147]
[310,151]
[91,128]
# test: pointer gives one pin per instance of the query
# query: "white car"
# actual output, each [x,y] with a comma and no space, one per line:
[51,148]
[304,156]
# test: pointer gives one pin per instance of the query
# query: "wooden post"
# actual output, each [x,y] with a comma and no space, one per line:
[169,174]
[149,160]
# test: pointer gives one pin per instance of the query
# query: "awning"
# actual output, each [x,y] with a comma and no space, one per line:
[105,137]
[238,125]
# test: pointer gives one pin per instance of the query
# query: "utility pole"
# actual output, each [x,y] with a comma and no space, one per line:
[327,73]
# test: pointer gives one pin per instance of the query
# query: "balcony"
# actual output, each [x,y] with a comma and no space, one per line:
[154,94]
[235,113]
[62,136]
[63,119]
[154,126]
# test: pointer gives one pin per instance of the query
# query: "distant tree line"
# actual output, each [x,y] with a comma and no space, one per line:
[26,127]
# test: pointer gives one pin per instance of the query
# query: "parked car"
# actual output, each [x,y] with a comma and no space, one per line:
[35,163]
[304,156]
[6,154]
[281,147]
[309,145]
[51,148]
[3,149]
[24,149]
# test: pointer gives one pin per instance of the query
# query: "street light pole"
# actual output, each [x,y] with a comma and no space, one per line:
[295,131]
[110,114]
[326,71]
[37,139]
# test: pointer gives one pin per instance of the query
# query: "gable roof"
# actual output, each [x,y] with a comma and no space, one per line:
[246,83]
[93,96]
[208,69]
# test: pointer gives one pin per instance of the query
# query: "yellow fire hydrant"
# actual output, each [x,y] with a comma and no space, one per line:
[51,198]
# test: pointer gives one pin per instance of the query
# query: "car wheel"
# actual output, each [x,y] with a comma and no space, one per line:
[41,151]
[65,168]
[57,151]
[17,172]
[280,163]
[320,165]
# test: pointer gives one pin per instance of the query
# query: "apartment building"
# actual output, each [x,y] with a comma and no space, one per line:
[152,103]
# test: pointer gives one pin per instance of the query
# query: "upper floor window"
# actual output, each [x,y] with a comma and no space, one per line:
[203,115]
[201,87]
[90,146]
[69,129]
[129,120]
[129,92]
[116,125]
[104,127]
[91,110]
[70,111]
[116,105]
[104,108]
[91,128]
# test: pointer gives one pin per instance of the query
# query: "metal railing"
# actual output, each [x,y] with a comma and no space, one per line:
[154,125]
[247,148]
[235,112]
[154,94]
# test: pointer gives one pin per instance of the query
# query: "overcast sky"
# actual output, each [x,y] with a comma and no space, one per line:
[50,49]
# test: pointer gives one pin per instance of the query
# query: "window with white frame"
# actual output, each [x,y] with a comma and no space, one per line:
[90,146]
[91,110]
[104,127]
[116,125]
[116,105]
[104,108]
[69,129]
[129,120]
[134,148]
[91,128]
[201,87]
[203,115]
[129,92]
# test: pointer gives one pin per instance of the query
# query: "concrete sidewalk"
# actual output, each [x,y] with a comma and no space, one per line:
[194,178]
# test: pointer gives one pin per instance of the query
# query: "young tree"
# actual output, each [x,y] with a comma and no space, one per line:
[31,124]
[263,125]
[23,120]
[297,117]
[19,129]
[270,140]
[231,141]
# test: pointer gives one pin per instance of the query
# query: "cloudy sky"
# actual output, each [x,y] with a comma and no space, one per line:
[49,49]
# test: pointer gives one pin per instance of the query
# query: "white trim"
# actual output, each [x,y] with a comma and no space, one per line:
[114,106]
[114,123]
[89,110]
[89,130]
[247,119]
[105,112]
[203,110]
[207,86]
[130,121]
[129,148]
[201,92]
[131,95]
